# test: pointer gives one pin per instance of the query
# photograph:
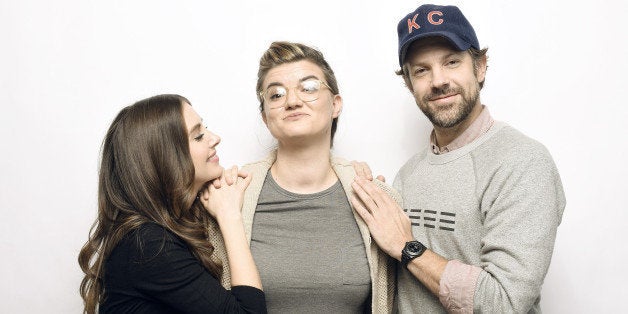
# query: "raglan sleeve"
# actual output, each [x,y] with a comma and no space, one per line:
[522,204]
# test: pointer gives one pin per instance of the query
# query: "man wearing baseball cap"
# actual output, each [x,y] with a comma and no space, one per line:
[481,204]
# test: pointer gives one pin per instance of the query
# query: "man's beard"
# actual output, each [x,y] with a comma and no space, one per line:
[453,114]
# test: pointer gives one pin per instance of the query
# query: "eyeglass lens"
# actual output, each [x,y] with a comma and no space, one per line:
[306,91]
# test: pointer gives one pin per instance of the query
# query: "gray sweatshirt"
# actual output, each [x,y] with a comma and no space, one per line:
[494,203]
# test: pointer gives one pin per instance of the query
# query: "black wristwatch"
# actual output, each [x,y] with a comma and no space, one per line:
[412,250]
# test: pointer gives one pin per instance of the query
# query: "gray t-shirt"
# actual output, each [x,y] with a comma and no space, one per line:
[309,251]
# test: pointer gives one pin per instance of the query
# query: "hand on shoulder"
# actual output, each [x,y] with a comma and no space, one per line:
[363,170]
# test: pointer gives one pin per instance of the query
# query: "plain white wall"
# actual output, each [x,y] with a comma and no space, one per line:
[557,72]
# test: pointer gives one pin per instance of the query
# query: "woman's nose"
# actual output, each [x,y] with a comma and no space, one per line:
[293,99]
[214,139]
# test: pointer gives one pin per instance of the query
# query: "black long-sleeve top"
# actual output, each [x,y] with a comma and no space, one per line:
[151,270]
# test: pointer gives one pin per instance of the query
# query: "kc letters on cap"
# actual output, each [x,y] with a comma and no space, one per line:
[431,20]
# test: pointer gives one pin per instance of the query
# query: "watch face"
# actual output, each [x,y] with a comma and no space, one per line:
[414,247]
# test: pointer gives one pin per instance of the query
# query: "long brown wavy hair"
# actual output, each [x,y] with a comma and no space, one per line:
[146,175]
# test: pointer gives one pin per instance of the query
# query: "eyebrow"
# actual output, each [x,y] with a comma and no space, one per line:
[196,127]
[306,78]
[447,56]
[454,53]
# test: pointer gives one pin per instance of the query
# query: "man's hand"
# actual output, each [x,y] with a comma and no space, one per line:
[363,170]
[388,223]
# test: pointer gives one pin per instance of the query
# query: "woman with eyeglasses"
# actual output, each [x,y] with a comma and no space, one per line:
[314,253]
[160,186]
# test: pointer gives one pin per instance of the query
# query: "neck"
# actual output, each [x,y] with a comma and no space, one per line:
[444,136]
[304,169]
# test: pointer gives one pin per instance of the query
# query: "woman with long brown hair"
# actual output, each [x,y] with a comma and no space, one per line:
[160,186]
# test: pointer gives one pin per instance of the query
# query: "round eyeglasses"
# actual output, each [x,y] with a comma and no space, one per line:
[276,96]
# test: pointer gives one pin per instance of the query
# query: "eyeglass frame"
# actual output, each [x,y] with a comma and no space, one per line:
[323,83]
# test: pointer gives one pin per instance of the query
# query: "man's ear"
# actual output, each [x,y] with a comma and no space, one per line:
[405,74]
[480,66]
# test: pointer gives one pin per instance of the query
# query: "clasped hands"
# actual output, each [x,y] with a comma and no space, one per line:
[223,196]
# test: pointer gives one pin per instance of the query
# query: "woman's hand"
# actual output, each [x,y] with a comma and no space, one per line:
[223,199]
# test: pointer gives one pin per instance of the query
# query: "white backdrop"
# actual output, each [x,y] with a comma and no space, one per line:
[557,72]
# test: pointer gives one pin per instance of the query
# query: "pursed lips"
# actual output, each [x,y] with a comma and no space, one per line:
[294,115]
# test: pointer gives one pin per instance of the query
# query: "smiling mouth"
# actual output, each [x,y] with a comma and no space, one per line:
[213,157]
[442,97]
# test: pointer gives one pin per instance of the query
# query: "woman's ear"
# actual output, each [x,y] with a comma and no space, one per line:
[337,103]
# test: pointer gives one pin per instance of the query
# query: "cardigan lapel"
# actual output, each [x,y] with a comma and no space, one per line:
[258,170]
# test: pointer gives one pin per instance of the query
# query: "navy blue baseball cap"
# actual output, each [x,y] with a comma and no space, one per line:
[431,20]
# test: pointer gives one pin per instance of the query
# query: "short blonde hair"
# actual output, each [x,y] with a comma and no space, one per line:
[281,52]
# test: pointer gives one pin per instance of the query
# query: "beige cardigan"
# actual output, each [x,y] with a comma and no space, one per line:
[382,267]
